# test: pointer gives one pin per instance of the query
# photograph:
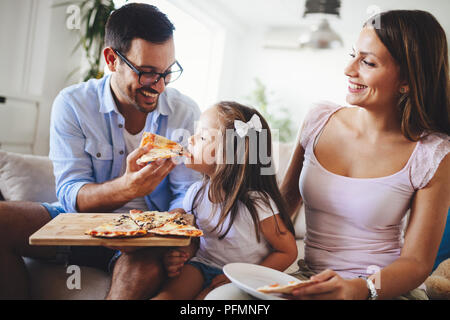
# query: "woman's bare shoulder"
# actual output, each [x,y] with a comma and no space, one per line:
[343,121]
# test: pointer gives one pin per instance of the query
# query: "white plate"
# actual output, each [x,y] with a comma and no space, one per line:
[249,277]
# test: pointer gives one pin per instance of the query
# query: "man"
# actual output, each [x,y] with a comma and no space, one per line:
[95,132]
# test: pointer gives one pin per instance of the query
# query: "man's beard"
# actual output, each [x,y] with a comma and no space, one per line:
[137,106]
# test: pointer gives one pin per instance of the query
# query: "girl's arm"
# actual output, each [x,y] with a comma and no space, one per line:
[423,235]
[174,259]
[289,187]
[284,248]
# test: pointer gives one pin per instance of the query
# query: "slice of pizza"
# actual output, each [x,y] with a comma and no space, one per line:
[285,289]
[152,219]
[178,227]
[160,148]
[120,227]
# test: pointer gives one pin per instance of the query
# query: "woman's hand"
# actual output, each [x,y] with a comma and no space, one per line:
[331,286]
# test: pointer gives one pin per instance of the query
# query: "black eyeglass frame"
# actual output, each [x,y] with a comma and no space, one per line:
[160,75]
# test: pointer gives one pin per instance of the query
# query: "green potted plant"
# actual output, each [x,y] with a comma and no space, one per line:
[277,118]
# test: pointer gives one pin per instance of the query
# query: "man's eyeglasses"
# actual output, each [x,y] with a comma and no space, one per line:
[150,78]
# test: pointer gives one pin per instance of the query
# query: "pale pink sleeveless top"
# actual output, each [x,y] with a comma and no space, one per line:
[354,226]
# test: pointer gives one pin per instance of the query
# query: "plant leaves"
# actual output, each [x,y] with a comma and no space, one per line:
[280,120]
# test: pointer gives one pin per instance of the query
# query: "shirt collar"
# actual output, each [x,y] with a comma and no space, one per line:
[163,106]
[107,103]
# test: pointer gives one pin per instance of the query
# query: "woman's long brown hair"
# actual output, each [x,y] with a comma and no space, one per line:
[418,43]
[234,182]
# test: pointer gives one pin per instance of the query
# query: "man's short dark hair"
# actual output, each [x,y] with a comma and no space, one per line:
[137,20]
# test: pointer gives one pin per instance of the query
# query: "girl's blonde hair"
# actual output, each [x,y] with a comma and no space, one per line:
[241,180]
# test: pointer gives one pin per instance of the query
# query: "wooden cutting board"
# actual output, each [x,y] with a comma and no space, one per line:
[68,230]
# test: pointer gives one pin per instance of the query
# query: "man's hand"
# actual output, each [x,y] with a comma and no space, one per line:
[174,260]
[140,180]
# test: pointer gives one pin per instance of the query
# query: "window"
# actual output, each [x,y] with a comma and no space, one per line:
[198,48]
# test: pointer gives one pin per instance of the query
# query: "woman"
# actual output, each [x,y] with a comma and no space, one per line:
[359,169]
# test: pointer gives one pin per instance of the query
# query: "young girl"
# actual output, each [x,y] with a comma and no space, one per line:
[238,206]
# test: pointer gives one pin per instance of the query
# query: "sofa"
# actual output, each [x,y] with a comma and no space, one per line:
[30,178]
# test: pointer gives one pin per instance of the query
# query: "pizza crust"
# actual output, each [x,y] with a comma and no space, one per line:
[156,154]
[177,229]
[161,148]
[285,289]
[121,227]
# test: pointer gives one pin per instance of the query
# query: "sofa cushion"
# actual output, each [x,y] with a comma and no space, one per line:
[26,177]
[50,281]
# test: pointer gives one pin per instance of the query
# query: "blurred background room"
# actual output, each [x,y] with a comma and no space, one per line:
[277,55]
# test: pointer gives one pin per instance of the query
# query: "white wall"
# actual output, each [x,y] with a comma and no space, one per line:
[195,42]
[59,62]
[299,78]
[35,60]
[294,79]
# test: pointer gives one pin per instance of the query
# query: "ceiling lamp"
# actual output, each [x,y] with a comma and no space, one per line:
[321,35]
[322,6]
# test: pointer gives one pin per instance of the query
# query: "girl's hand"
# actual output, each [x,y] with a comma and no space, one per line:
[174,260]
[332,287]
[178,210]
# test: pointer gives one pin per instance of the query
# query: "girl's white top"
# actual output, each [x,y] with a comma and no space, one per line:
[240,244]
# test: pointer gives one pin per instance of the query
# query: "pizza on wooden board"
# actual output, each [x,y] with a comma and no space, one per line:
[177,228]
[160,148]
[287,288]
[120,227]
[140,223]
[152,219]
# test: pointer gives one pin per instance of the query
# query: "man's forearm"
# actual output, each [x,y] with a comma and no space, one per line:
[104,197]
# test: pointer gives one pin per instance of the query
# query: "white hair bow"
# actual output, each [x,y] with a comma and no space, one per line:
[242,127]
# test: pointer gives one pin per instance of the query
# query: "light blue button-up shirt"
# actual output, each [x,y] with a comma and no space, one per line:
[87,143]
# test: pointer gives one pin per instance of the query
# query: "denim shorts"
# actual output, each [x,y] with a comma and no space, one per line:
[209,272]
[97,257]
